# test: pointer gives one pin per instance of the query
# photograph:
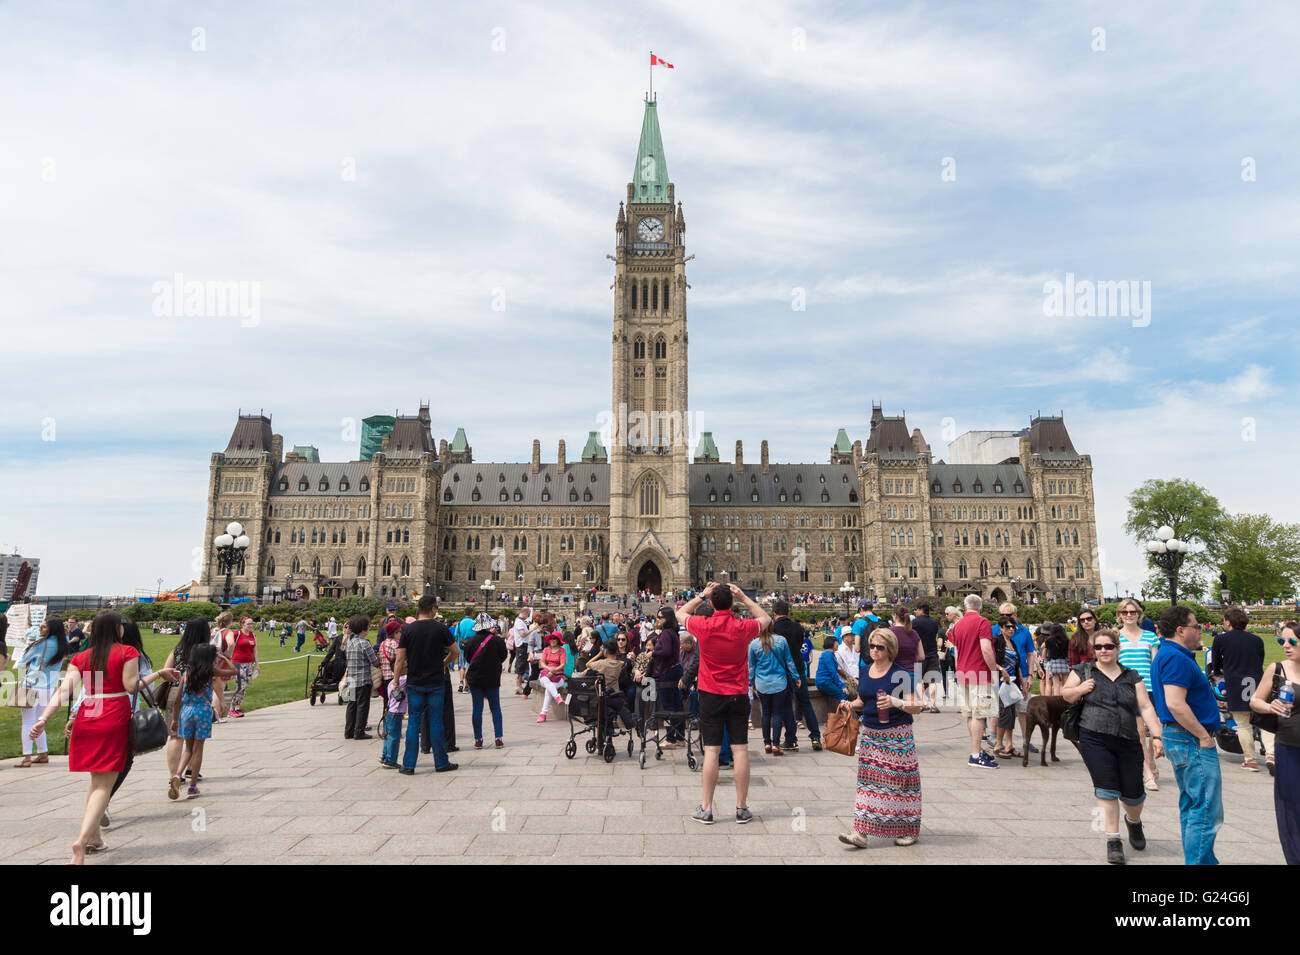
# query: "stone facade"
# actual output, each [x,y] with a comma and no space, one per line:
[883,518]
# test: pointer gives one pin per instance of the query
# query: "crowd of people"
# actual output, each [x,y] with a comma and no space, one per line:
[1136,689]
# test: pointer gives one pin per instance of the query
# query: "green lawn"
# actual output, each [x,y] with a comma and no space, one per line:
[279,683]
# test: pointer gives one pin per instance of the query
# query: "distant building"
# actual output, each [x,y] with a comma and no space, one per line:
[10,567]
[1011,515]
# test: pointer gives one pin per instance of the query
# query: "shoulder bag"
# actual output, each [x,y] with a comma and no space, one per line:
[1267,722]
[1070,718]
[841,733]
[147,730]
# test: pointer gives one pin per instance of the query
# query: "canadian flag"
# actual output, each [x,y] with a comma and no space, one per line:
[659,61]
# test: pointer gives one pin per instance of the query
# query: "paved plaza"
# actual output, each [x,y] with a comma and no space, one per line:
[282,786]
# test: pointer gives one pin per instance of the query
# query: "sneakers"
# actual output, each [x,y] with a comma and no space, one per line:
[406,772]
[905,841]
[1251,765]
[817,746]
[192,792]
[767,748]
[387,765]
[174,787]
[1115,851]
[105,821]
[982,761]
[1269,763]
[743,815]
[1136,837]
[541,717]
[449,768]
[702,816]
[478,744]
[792,747]
[855,839]
[500,744]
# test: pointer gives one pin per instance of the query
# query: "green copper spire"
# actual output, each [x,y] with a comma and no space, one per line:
[594,451]
[459,443]
[842,442]
[705,449]
[650,177]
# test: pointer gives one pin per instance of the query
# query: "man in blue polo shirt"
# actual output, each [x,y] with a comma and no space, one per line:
[1190,715]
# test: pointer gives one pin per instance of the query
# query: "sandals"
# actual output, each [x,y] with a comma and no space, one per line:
[90,848]
[174,787]
[26,763]
[1013,753]
[43,758]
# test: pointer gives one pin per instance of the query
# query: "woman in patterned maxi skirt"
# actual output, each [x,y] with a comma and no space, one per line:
[888,801]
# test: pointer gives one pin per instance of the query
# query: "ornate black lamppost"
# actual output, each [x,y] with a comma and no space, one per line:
[230,554]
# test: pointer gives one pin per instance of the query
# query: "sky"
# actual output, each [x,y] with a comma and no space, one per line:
[418,200]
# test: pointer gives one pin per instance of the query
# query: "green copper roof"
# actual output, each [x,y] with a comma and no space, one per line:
[842,441]
[308,453]
[594,451]
[460,442]
[650,177]
[706,448]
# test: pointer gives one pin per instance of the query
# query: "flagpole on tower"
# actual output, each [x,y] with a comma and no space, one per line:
[652,75]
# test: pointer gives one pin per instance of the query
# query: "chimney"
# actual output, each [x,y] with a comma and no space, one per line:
[740,458]
[763,455]
[857,454]
[537,456]
[918,442]
[560,462]
[277,448]
[444,455]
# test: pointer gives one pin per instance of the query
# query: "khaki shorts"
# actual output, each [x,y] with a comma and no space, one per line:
[977,701]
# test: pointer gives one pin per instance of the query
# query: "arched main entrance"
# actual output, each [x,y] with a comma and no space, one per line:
[997,595]
[648,578]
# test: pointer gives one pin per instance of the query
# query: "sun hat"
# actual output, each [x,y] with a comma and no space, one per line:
[484,621]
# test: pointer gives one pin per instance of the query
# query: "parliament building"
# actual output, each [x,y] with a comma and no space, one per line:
[1011,515]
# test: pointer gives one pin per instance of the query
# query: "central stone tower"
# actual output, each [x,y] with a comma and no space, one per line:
[649,507]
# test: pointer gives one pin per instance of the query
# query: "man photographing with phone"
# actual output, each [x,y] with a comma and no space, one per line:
[724,686]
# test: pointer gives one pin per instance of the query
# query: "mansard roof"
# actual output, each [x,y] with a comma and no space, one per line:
[1048,438]
[979,480]
[804,485]
[581,484]
[304,477]
[252,435]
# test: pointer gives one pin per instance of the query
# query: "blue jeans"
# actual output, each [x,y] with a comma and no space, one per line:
[1200,793]
[493,695]
[777,712]
[807,712]
[393,741]
[422,701]
[301,638]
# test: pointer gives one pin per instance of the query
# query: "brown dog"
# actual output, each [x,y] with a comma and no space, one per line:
[1045,712]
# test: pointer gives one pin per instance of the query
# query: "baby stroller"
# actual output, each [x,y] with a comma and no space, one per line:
[654,719]
[597,711]
[1228,741]
[320,640]
[329,675]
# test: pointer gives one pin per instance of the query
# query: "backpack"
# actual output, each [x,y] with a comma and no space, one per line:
[1070,718]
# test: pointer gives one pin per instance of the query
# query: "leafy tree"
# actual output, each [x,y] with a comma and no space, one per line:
[1195,516]
[1260,557]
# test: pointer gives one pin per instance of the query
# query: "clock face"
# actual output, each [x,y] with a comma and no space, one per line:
[650,229]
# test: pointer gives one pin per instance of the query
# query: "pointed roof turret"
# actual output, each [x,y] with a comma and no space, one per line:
[594,450]
[459,443]
[842,441]
[706,451]
[650,176]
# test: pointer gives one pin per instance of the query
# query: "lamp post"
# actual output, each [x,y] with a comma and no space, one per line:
[847,590]
[1168,553]
[230,553]
[520,579]
[487,589]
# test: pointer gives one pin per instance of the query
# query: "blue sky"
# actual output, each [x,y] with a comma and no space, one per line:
[491,144]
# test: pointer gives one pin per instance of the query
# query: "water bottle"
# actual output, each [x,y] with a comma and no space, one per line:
[1286,696]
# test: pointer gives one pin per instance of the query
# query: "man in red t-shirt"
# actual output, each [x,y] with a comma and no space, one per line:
[724,642]
[972,636]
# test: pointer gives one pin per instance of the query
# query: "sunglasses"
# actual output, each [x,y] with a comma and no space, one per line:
[1125,613]
[1104,646]
[1087,620]
[1287,641]
[876,646]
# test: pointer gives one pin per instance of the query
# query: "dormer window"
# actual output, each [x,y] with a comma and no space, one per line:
[343,484]
[1019,487]
[997,486]
[776,479]
[478,479]
[503,496]
[956,487]
[303,485]
[798,478]
[753,496]
[593,479]
[573,494]
[713,495]
[753,479]
[548,478]
[501,478]
[822,478]
[978,486]
[936,488]
[586,496]
[845,478]
[781,496]
[446,496]
[324,484]
[364,485]
[570,478]
[284,484]
[826,495]
[853,496]
[519,495]
[797,496]
[546,494]
[475,495]
[726,495]
[524,478]
[455,477]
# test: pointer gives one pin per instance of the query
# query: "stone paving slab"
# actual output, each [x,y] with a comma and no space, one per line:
[283,787]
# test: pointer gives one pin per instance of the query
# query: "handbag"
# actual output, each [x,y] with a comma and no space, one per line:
[1267,722]
[147,730]
[1010,694]
[345,690]
[1070,718]
[841,734]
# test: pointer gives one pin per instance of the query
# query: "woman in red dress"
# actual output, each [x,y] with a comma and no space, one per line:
[111,673]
